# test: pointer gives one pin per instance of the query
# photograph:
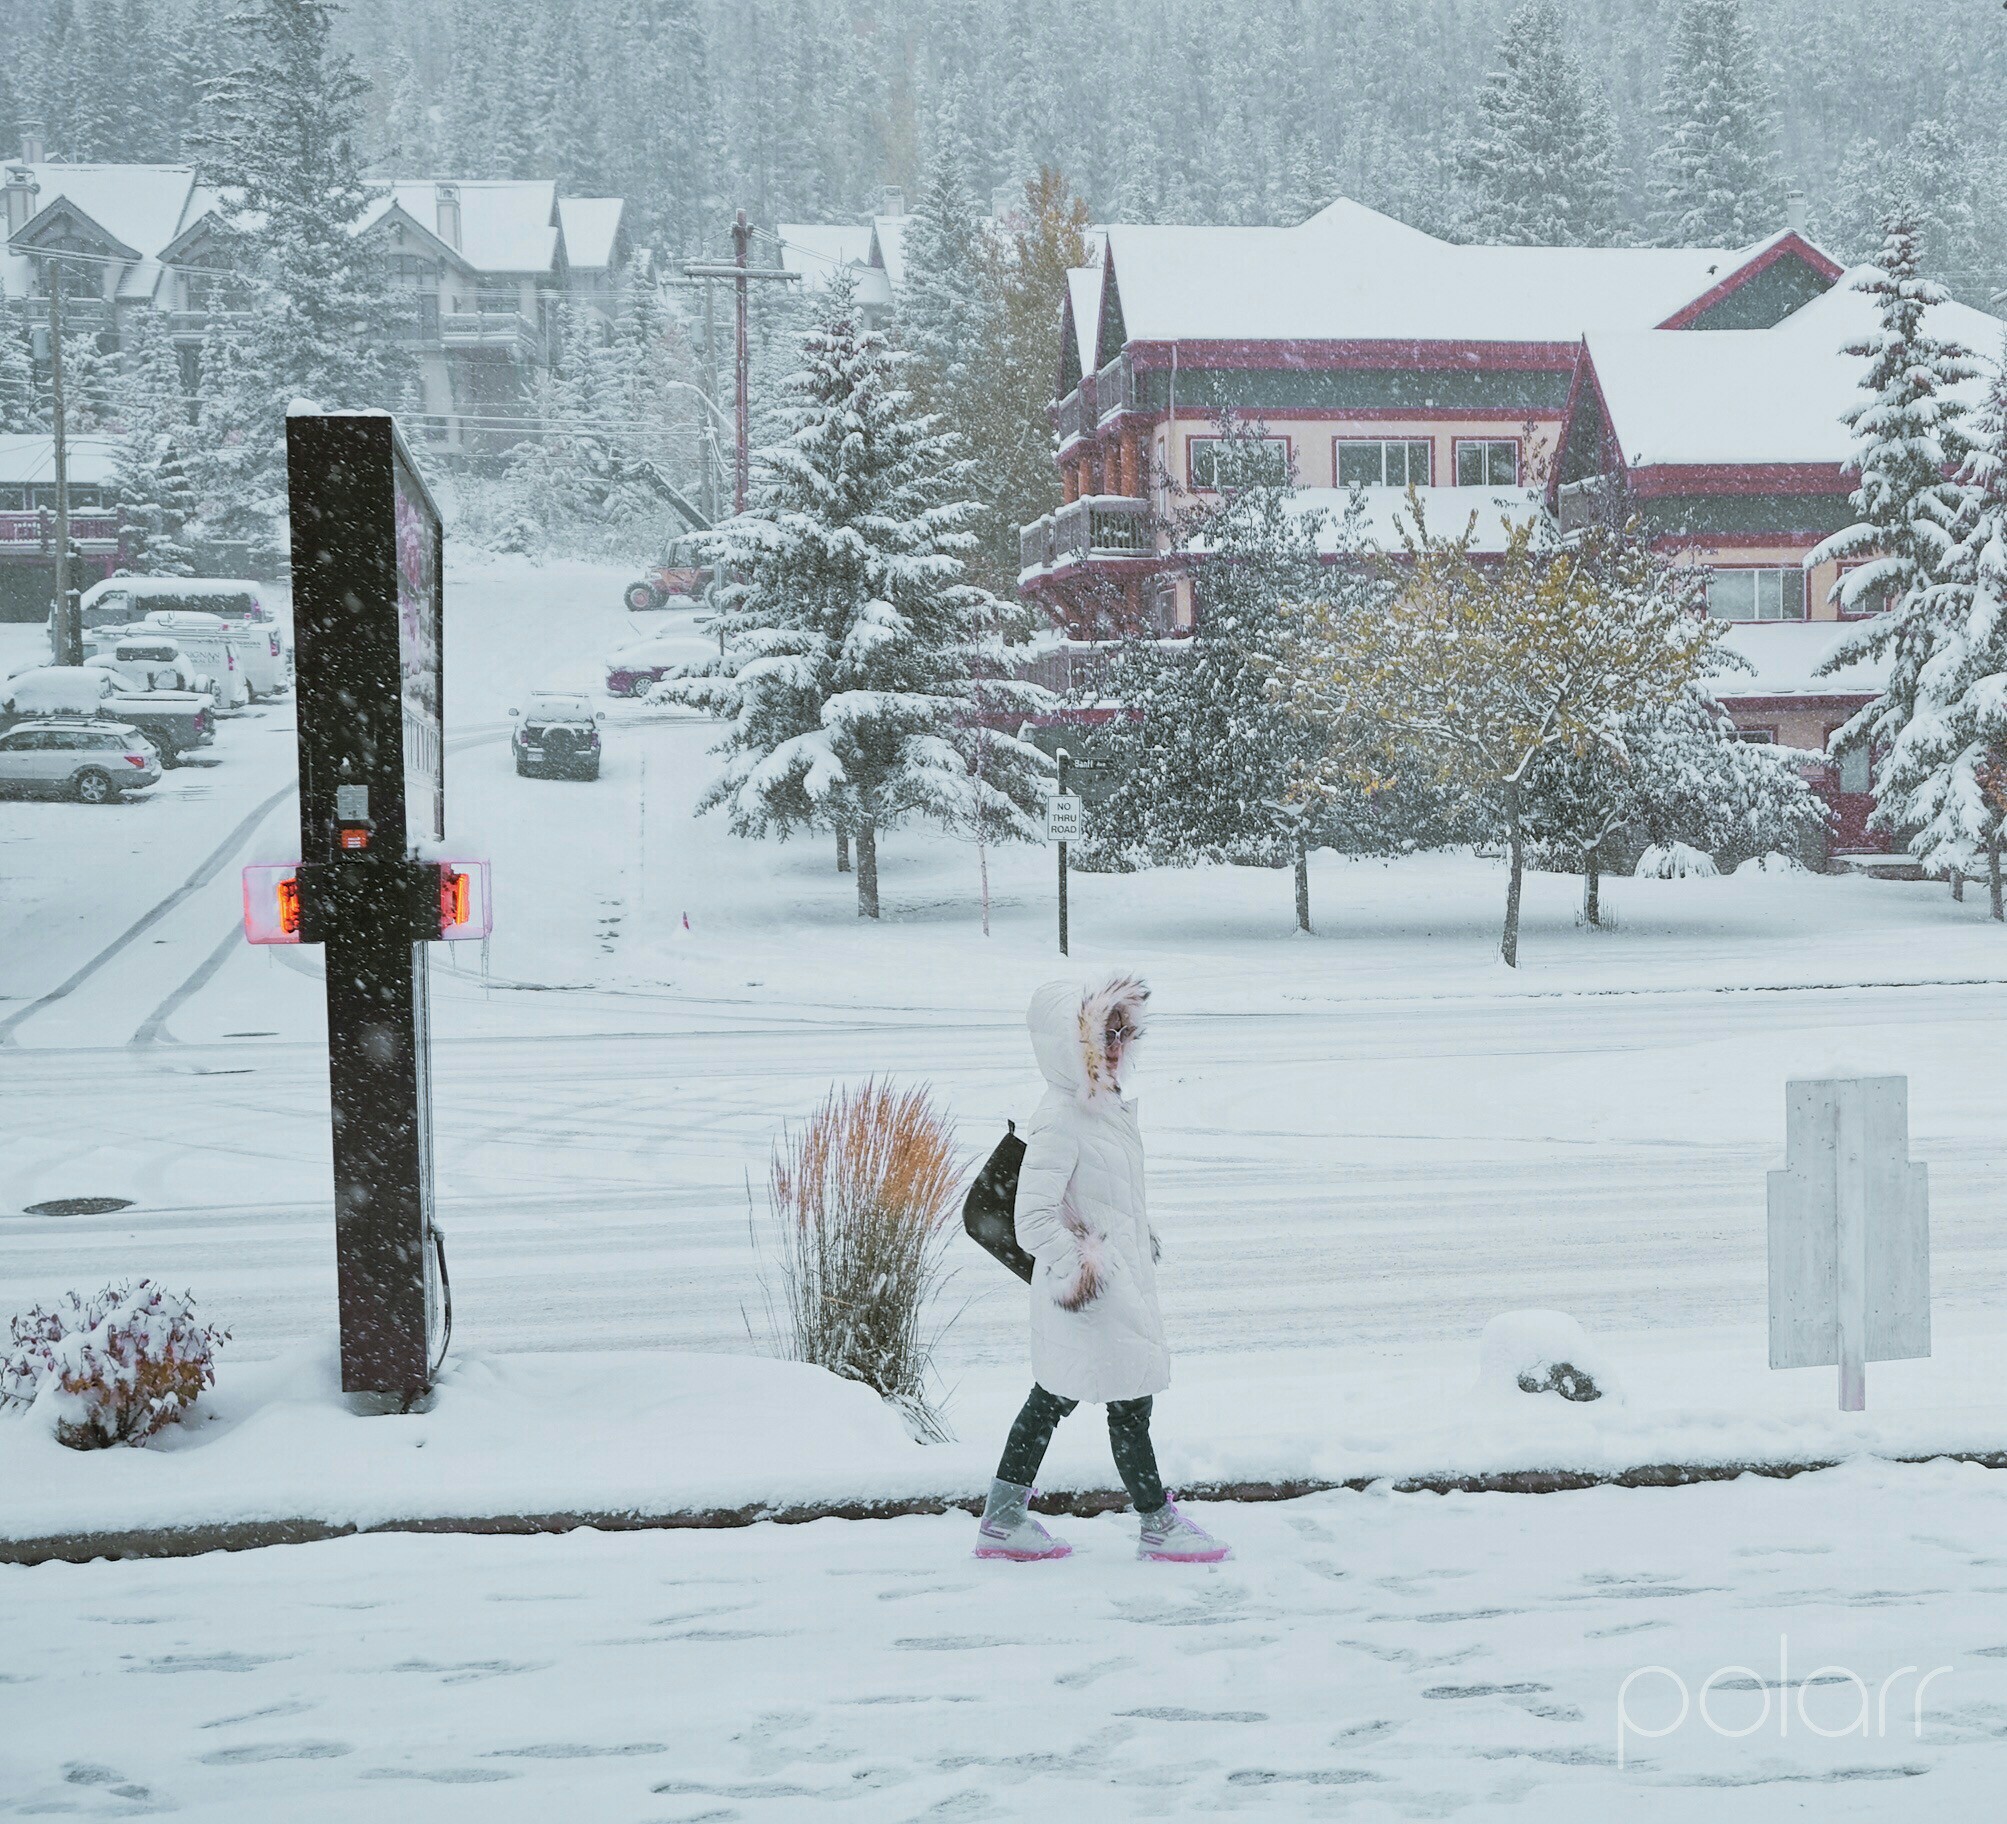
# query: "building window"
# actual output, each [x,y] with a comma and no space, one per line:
[1487,462]
[1868,604]
[1756,595]
[1758,737]
[1372,462]
[1263,460]
[1854,769]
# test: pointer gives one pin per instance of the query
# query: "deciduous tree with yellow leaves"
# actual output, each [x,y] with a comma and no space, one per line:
[1481,664]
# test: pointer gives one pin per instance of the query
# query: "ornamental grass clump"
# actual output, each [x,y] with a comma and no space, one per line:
[113,1368]
[861,1197]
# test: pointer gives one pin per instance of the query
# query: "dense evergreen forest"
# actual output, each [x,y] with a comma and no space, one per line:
[1154,109]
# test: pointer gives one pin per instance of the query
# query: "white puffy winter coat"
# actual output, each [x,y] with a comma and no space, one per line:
[1080,1206]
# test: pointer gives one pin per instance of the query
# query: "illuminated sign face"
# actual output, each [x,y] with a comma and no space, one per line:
[420,666]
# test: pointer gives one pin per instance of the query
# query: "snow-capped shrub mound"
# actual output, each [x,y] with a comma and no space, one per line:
[1775,862]
[1675,861]
[1541,1352]
[113,1368]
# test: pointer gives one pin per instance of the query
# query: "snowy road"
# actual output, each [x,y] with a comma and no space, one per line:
[1365,1657]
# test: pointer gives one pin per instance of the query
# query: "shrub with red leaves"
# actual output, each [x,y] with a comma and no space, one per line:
[114,1367]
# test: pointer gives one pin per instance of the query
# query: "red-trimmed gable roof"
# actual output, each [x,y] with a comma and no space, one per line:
[1790,245]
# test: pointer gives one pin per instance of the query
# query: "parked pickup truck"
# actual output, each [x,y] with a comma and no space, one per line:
[173,720]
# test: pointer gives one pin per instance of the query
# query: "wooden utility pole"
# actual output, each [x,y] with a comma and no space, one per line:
[742,274]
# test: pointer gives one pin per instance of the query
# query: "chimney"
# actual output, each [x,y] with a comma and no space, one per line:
[34,144]
[449,214]
[892,200]
[21,193]
[1796,212]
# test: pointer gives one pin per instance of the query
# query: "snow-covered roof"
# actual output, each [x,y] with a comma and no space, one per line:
[1351,273]
[143,206]
[889,237]
[29,460]
[1738,396]
[591,226]
[820,250]
[506,224]
[1786,656]
[1083,287]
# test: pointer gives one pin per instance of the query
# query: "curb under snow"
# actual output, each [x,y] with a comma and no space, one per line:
[251,1535]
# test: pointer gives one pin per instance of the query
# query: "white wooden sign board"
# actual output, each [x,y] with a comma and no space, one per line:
[1062,817]
[1849,1232]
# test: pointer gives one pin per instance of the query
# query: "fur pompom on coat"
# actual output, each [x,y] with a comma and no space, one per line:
[1096,1332]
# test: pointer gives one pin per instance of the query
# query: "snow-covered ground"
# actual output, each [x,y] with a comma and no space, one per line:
[1365,1144]
[1364,1656]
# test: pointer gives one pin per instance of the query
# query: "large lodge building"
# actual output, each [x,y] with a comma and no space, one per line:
[1505,380]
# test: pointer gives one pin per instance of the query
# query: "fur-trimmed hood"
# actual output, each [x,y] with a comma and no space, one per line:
[1067,1020]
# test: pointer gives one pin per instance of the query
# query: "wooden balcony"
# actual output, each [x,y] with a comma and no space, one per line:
[33,533]
[1071,418]
[1114,390]
[1097,526]
[1102,525]
[505,329]
[194,325]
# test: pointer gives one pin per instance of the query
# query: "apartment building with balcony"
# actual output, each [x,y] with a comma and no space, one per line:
[1371,354]
[484,265]
[1707,382]
[1732,450]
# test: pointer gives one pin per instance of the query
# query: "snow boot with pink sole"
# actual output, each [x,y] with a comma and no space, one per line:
[1170,1538]
[1008,1529]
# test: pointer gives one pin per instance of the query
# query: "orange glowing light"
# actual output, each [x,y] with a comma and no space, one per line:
[289,905]
[454,900]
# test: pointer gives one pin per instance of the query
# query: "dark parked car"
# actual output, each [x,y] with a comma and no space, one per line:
[556,736]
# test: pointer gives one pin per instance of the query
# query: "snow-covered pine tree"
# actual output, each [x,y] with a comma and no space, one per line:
[150,476]
[1540,159]
[1952,752]
[857,661]
[1210,764]
[286,115]
[18,393]
[1715,181]
[944,306]
[239,495]
[1908,445]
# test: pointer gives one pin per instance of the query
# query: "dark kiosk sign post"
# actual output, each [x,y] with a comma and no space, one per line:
[367,561]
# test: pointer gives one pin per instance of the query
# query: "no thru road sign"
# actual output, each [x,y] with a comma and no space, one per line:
[1062,817]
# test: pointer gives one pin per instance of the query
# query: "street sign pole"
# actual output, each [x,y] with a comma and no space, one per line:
[367,559]
[1849,1233]
[1065,766]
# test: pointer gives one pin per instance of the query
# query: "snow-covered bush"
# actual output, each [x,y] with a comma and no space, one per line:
[1675,861]
[1542,1352]
[861,1196]
[113,1368]
[1775,862]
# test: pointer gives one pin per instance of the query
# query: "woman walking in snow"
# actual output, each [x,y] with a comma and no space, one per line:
[1096,1332]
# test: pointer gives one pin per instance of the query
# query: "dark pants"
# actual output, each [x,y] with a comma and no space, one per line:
[1128,1435]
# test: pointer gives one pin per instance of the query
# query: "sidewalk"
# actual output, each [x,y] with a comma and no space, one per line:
[1363,1656]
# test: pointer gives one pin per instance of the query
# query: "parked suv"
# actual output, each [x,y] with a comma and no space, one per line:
[83,758]
[556,736]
